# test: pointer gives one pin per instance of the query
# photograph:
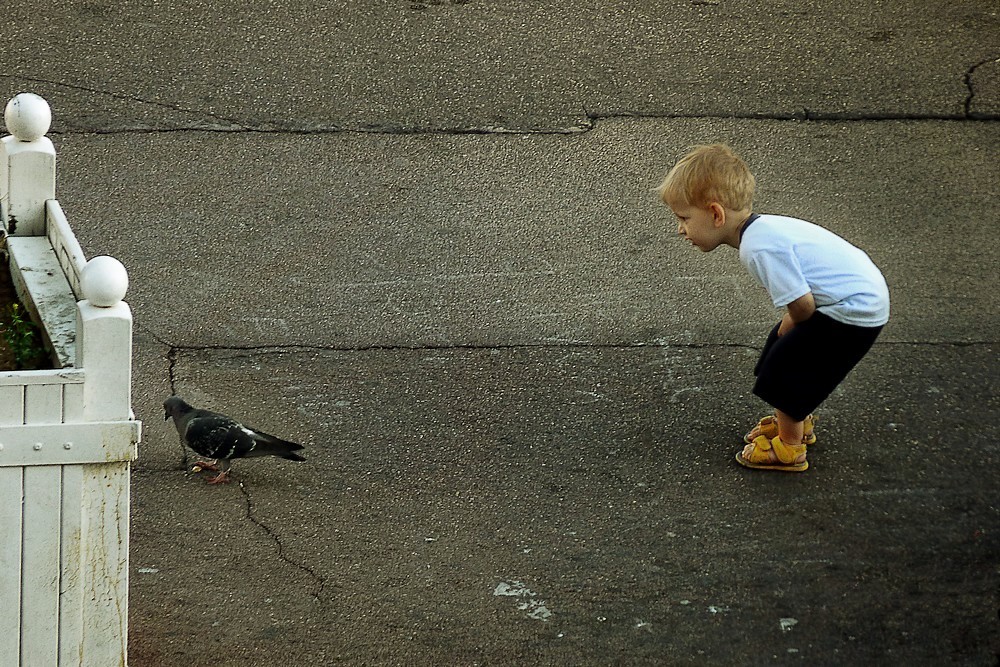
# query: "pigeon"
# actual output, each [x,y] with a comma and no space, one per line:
[222,438]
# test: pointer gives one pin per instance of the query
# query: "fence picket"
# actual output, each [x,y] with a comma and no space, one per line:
[43,404]
[105,541]
[72,409]
[11,405]
[40,565]
[71,601]
[11,524]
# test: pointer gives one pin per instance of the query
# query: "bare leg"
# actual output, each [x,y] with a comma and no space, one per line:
[789,430]
[769,425]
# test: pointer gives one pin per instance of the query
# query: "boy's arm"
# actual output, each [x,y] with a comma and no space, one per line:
[797,311]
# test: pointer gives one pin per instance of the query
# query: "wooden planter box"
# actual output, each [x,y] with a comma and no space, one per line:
[67,435]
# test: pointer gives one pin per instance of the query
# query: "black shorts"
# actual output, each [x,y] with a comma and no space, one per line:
[798,371]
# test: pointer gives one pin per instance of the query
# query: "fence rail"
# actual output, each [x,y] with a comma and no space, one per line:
[67,250]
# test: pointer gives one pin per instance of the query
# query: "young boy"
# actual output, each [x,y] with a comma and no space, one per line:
[835,298]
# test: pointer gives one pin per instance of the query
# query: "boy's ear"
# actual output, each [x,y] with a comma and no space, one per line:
[718,213]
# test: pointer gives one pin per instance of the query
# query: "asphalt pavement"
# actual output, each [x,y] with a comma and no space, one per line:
[420,238]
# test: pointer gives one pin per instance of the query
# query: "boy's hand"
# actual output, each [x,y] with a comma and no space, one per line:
[786,325]
[799,310]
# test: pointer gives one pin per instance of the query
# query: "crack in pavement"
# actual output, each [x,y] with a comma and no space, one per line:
[586,122]
[319,582]
[283,349]
[234,125]
[171,366]
[173,353]
[969,113]
[804,115]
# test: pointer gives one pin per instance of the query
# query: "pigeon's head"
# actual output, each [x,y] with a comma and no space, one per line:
[175,407]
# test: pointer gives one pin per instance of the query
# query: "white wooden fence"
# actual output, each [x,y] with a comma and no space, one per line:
[68,435]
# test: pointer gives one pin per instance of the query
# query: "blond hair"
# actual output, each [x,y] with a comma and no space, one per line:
[712,173]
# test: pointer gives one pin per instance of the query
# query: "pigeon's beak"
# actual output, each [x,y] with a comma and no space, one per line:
[166,416]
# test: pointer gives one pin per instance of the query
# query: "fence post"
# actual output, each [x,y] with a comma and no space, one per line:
[104,351]
[104,340]
[27,165]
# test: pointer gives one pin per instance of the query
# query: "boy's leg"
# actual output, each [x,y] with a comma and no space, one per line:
[790,430]
[827,348]
[768,427]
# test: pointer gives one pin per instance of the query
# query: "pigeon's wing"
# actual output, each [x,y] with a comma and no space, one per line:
[270,445]
[218,437]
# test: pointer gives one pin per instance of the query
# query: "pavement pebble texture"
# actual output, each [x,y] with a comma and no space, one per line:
[420,238]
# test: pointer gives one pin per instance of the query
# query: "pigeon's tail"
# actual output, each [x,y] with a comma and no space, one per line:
[283,449]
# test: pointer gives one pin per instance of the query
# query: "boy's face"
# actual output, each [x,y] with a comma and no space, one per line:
[703,227]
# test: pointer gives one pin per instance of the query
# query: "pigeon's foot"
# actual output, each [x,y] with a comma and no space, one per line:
[205,465]
[221,478]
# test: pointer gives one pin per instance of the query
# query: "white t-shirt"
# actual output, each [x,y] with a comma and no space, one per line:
[792,257]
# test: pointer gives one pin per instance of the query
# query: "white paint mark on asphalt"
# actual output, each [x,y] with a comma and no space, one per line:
[511,589]
[592,394]
[535,609]
[676,397]
[530,604]
[787,624]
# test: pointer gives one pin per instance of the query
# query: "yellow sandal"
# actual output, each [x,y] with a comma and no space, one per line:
[768,427]
[774,454]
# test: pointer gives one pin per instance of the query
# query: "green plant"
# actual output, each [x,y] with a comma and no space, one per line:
[23,339]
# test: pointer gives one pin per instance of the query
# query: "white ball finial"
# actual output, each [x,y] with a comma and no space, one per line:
[104,281]
[28,116]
